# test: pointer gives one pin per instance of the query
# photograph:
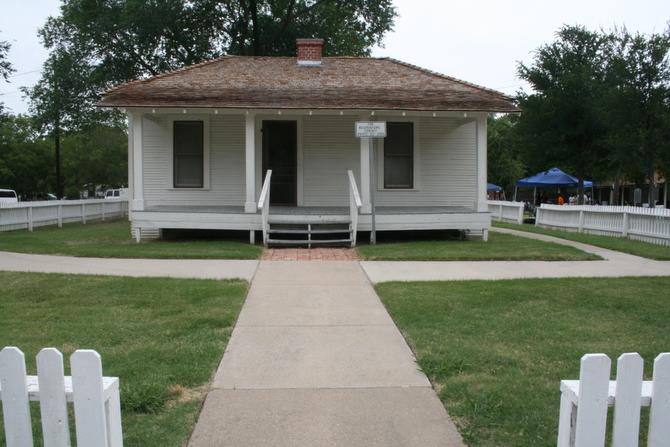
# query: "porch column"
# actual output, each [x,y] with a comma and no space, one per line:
[135,169]
[364,187]
[131,178]
[250,162]
[481,163]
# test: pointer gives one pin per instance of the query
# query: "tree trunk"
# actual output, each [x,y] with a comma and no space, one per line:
[617,191]
[59,180]
[652,187]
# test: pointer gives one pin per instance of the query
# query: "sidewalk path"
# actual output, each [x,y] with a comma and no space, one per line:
[315,360]
[615,264]
[177,268]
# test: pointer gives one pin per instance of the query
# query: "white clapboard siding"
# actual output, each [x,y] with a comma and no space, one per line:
[95,398]
[506,211]
[29,215]
[226,162]
[584,402]
[645,224]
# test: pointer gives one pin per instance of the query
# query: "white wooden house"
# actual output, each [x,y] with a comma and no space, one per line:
[203,139]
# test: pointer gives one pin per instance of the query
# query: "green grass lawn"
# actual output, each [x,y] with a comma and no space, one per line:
[633,247]
[162,337]
[500,247]
[112,240]
[497,350]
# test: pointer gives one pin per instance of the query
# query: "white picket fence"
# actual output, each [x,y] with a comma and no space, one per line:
[506,211]
[28,215]
[645,224]
[97,410]
[584,403]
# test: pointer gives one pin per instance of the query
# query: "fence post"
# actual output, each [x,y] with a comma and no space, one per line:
[538,212]
[15,408]
[628,400]
[60,216]
[659,415]
[520,217]
[53,405]
[500,213]
[594,376]
[89,401]
[83,213]
[566,422]
[30,218]
[581,221]
[103,210]
[625,224]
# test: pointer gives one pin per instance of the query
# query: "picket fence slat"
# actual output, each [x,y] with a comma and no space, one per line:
[89,401]
[15,404]
[506,211]
[659,416]
[592,405]
[96,400]
[628,400]
[53,403]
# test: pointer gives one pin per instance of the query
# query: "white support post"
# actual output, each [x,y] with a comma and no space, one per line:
[83,213]
[250,162]
[60,216]
[138,160]
[581,221]
[30,218]
[131,159]
[365,175]
[252,237]
[481,163]
[102,206]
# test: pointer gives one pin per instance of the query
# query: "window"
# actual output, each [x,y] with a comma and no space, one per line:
[188,154]
[399,156]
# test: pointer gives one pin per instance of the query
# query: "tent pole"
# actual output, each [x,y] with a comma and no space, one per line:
[534,196]
[515,188]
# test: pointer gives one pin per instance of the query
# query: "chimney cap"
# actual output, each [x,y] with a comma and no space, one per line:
[309,41]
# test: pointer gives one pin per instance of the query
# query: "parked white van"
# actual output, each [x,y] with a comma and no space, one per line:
[8,196]
[121,193]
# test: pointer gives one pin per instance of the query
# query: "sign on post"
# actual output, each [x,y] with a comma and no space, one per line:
[370,129]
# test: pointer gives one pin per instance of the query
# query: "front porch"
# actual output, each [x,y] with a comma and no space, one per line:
[148,222]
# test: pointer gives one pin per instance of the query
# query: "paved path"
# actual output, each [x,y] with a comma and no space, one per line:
[315,360]
[614,264]
[177,268]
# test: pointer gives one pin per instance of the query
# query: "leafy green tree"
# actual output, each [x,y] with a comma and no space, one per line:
[25,158]
[562,122]
[637,105]
[505,158]
[5,66]
[130,39]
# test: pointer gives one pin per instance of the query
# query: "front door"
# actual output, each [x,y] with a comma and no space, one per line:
[280,153]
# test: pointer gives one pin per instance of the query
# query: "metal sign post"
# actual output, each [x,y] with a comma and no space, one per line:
[372,130]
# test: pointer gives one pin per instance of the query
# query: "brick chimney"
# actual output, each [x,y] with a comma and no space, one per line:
[309,51]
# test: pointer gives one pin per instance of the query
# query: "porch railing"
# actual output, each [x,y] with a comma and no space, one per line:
[264,206]
[354,206]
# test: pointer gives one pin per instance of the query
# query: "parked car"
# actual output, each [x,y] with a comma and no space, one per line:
[8,196]
[120,193]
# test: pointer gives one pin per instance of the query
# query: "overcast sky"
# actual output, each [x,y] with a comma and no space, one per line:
[480,42]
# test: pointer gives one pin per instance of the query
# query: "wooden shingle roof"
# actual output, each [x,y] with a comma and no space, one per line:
[358,83]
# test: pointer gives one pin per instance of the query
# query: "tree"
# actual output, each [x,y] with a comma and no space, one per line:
[505,160]
[562,122]
[25,157]
[5,66]
[638,104]
[131,39]
[62,100]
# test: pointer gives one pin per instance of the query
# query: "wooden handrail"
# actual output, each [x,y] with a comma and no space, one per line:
[354,189]
[265,191]
[354,206]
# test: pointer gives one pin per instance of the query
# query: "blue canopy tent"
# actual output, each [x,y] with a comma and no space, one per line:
[490,187]
[552,177]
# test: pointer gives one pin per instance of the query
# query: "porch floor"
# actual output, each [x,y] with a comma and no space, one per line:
[311,210]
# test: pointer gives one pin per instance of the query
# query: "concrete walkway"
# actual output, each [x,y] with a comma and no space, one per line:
[177,268]
[614,264]
[315,360]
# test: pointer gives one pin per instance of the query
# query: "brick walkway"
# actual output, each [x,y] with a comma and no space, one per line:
[309,254]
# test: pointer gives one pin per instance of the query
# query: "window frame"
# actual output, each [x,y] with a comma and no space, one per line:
[205,152]
[381,175]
